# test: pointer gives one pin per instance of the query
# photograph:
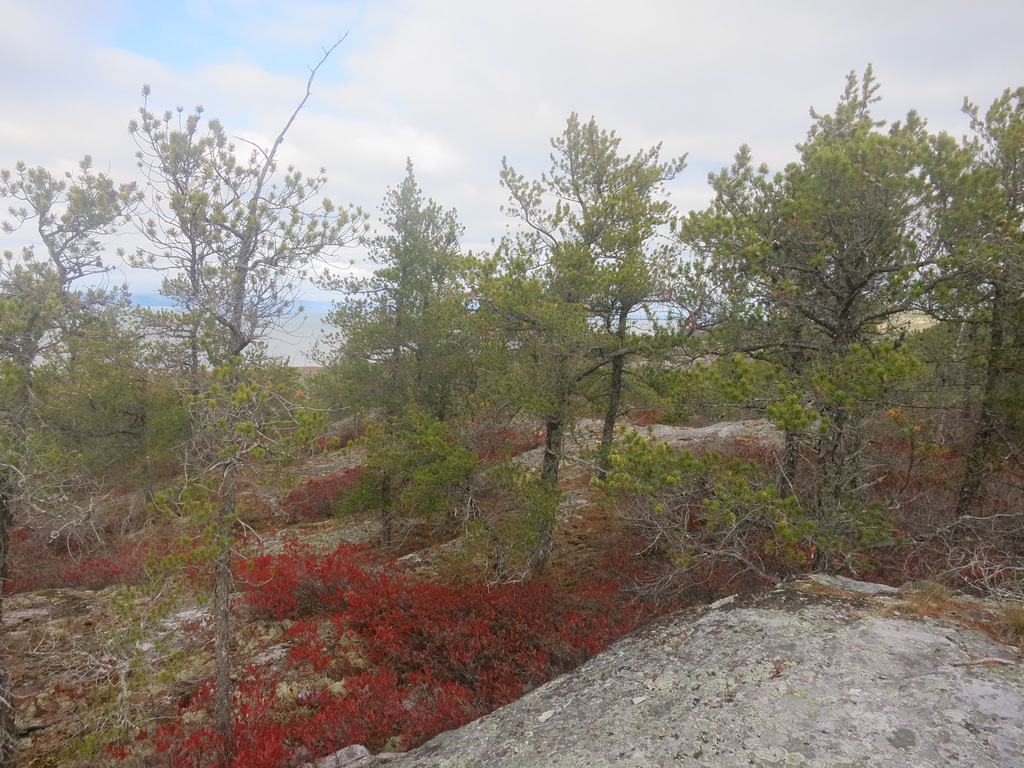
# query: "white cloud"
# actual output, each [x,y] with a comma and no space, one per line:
[456,84]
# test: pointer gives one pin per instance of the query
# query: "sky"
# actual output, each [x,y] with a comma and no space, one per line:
[455,85]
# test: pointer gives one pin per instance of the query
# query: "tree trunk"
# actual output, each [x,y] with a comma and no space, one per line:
[552,452]
[791,455]
[980,455]
[387,515]
[833,477]
[549,475]
[8,732]
[614,398]
[222,705]
[833,461]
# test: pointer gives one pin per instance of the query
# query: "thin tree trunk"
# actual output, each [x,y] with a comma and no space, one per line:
[832,462]
[614,399]
[836,450]
[386,513]
[980,454]
[553,440]
[791,455]
[549,476]
[8,731]
[222,704]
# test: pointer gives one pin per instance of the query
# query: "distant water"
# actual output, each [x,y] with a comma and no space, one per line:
[296,339]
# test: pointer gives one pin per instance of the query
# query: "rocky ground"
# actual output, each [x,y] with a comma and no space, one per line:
[824,672]
[68,649]
[814,673]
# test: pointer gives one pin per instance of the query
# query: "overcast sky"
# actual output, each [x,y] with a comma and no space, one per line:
[457,84]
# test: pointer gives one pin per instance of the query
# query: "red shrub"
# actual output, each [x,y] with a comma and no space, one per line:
[645,418]
[31,564]
[36,563]
[439,656]
[302,582]
[497,446]
[315,499]
[337,442]
[97,572]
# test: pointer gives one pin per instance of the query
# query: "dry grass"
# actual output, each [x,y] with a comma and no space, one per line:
[1012,624]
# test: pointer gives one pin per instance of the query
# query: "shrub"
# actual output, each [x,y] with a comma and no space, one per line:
[493,447]
[31,564]
[715,523]
[317,498]
[414,469]
[327,443]
[38,564]
[301,582]
[412,659]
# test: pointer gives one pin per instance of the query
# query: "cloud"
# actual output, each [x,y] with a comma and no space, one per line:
[457,84]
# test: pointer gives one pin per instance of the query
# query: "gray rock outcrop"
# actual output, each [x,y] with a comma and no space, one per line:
[820,673]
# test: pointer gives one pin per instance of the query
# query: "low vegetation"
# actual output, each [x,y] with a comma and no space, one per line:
[506,460]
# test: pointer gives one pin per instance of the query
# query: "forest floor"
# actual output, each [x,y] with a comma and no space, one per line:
[74,653]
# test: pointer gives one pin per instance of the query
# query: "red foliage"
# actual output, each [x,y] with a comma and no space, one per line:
[646,417]
[755,450]
[36,563]
[336,442]
[497,446]
[315,499]
[97,572]
[438,656]
[30,564]
[300,582]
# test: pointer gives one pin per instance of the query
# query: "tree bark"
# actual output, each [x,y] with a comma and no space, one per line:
[832,463]
[549,475]
[834,475]
[386,514]
[8,731]
[553,440]
[611,414]
[791,456]
[222,703]
[980,454]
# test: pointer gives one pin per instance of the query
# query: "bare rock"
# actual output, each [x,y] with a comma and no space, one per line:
[825,675]
[350,756]
[719,437]
[852,585]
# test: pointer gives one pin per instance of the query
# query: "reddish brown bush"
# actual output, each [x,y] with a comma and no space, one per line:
[336,442]
[497,446]
[127,566]
[317,497]
[37,563]
[438,656]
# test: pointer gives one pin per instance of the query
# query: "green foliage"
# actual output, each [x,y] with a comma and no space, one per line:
[520,522]
[978,289]
[413,470]
[44,312]
[405,329]
[72,219]
[563,291]
[699,512]
[235,235]
[824,252]
[820,262]
[246,411]
[864,377]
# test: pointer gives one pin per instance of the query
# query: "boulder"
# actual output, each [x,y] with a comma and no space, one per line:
[824,673]
[349,757]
